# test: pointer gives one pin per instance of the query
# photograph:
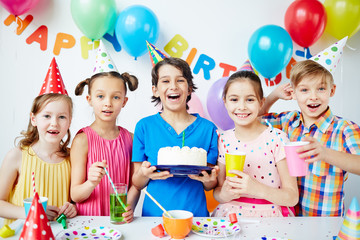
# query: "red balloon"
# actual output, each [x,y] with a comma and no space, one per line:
[305,21]
[18,7]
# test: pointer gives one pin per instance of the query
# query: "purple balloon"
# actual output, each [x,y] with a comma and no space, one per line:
[216,107]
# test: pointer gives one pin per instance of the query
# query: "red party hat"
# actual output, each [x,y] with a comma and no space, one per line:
[155,54]
[36,225]
[53,82]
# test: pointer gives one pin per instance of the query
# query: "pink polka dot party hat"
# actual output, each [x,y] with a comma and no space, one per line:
[155,54]
[330,57]
[350,229]
[53,82]
[103,61]
[36,225]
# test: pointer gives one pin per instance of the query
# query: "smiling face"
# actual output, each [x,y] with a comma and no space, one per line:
[172,88]
[313,94]
[52,121]
[242,102]
[107,97]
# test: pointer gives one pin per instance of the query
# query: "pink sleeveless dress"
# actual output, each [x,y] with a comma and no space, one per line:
[117,153]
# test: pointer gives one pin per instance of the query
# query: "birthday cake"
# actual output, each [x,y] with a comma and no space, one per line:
[182,156]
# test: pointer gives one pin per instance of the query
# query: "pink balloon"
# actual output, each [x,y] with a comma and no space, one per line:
[195,105]
[216,107]
[18,7]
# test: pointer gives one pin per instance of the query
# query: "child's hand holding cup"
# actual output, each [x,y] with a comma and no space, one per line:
[296,165]
[234,161]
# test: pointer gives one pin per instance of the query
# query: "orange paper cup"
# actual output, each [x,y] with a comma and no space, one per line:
[180,225]
[234,161]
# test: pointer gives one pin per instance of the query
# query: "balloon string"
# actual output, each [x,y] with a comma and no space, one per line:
[341,82]
[351,48]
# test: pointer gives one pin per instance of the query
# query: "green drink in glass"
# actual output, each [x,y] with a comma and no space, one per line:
[116,210]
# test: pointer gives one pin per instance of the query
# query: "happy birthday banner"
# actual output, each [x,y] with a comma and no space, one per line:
[176,47]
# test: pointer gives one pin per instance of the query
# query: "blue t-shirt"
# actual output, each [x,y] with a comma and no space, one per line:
[176,193]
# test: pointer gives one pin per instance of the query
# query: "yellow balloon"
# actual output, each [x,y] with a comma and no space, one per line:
[343,17]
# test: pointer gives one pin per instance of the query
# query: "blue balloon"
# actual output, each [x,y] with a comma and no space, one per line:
[270,49]
[136,25]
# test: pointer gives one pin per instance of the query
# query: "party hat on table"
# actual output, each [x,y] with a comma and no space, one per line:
[350,229]
[103,62]
[53,82]
[36,225]
[330,57]
[155,54]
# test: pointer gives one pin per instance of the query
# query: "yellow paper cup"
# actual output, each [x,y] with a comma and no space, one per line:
[234,161]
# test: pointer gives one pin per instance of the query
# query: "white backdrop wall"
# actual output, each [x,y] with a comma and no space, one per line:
[218,29]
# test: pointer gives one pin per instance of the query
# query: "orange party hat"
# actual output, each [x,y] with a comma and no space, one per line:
[350,229]
[53,82]
[155,54]
[36,225]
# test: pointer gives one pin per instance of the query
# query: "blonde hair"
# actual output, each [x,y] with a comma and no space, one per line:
[31,135]
[309,68]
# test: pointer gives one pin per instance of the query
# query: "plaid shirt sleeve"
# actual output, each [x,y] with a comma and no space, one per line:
[351,135]
[280,120]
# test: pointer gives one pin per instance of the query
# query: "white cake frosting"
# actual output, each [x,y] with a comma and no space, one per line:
[182,156]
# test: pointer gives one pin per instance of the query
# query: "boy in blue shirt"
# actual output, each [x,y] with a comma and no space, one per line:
[172,87]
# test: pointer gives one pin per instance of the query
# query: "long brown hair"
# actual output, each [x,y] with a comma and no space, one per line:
[31,135]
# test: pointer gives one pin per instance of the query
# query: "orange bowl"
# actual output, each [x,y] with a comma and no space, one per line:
[180,225]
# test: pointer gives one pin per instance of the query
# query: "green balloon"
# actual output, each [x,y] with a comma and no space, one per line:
[94,17]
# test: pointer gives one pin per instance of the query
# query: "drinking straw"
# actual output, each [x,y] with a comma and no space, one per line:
[33,182]
[272,128]
[183,139]
[116,193]
[156,202]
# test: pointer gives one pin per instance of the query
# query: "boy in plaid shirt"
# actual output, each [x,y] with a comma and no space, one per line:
[334,143]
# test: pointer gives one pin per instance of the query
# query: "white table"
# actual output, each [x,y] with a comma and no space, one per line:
[294,228]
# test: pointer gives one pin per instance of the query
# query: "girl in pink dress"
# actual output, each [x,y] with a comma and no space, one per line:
[101,145]
[265,184]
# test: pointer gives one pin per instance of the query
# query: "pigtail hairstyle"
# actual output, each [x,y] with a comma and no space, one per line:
[81,85]
[31,135]
[130,81]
